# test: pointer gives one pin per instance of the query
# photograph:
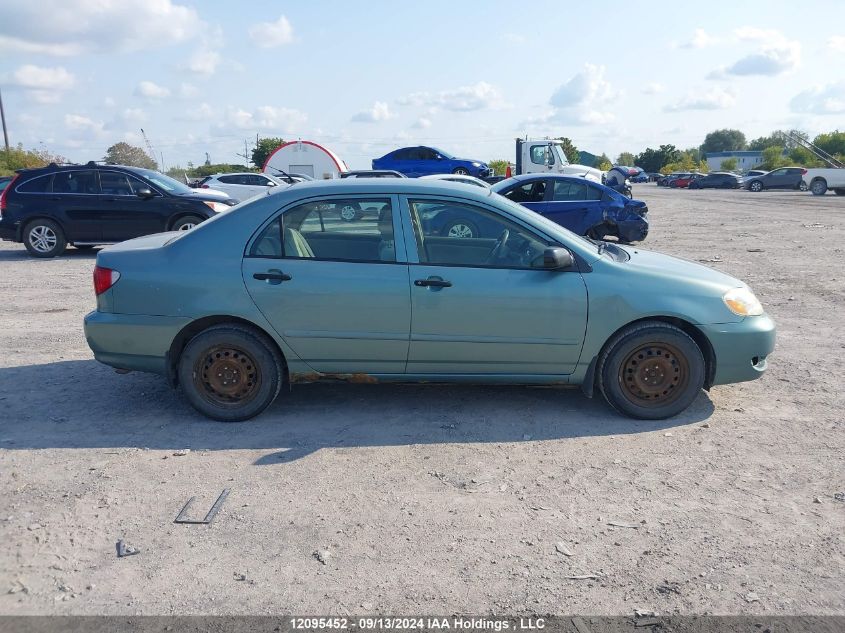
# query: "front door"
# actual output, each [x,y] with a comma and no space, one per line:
[481,307]
[124,215]
[335,291]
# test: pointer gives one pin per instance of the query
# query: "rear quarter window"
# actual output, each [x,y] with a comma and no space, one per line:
[41,184]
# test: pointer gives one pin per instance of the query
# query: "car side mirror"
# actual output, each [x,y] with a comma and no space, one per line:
[145,193]
[555,258]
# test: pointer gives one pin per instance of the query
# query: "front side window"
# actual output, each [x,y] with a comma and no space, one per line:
[76,182]
[113,183]
[461,234]
[357,230]
[530,192]
[539,153]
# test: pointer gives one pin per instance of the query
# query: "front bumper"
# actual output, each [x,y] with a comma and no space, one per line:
[132,341]
[741,349]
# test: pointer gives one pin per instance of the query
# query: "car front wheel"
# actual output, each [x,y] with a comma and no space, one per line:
[44,238]
[651,371]
[756,186]
[818,187]
[186,223]
[461,171]
[460,228]
[230,373]
[349,212]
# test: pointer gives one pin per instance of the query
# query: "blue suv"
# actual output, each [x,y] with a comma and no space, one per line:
[422,161]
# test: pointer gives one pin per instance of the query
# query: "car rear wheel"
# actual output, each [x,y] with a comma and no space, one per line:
[651,371]
[460,228]
[349,212]
[186,223]
[818,187]
[803,186]
[756,186]
[230,373]
[44,238]
[461,171]
[839,192]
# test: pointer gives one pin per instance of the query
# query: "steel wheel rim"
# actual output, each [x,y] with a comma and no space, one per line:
[43,238]
[654,375]
[227,376]
[460,230]
[348,213]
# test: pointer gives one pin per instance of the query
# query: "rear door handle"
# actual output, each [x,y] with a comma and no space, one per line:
[434,283]
[275,275]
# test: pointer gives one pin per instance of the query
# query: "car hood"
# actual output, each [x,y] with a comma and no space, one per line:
[212,195]
[678,269]
[470,160]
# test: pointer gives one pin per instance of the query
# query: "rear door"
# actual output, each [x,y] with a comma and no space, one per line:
[337,292]
[123,214]
[76,200]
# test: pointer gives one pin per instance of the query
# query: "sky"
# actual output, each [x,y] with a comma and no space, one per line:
[365,78]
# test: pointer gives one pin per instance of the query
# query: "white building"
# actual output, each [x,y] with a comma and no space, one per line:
[304,157]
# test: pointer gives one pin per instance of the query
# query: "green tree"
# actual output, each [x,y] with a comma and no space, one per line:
[724,140]
[626,158]
[653,160]
[804,157]
[833,143]
[762,142]
[216,168]
[19,158]
[126,154]
[572,153]
[729,164]
[263,149]
[603,163]
[773,157]
[498,165]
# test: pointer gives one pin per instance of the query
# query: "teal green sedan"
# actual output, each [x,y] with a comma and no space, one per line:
[282,290]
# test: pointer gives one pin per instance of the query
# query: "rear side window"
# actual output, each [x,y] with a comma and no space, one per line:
[42,184]
[566,191]
[76,182]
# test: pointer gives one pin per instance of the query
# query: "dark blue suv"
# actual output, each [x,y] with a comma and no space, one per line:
[422,161]
[87,205]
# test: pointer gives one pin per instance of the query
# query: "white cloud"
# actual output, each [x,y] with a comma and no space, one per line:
[379,112]
[109,102]
[203,61]
[186,91]
[711,99]
[84,125]
[269,118]
[422,123]
[478,96]
[272,34]
[836,44]
[43,84]
[700,39]
[653,88]
[72,27]
[152,91]
[133,115]
[203,112]
[582,97]
[775,54]
[827,99]
[514,38]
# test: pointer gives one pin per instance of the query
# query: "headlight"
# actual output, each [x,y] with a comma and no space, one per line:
[476,164]
[742,301]
[217,207]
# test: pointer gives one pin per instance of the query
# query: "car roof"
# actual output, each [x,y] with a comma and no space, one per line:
[358,186]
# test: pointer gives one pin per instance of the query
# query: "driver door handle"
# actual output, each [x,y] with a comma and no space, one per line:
[434,283]
[272,276]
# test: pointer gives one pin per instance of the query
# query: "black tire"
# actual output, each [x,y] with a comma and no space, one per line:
[839,192]
[44,238]
[186,222]
[249,372]
[651,392]
[349,212]
[818,187]
[756,186]
[461,171]
[802,186]
[83,247]
[460,228]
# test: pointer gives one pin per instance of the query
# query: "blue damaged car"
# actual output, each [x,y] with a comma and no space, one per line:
[580,205]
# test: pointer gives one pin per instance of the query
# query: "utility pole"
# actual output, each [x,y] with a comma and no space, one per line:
[3,117]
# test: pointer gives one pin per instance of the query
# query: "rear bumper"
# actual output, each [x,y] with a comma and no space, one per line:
[9,231]
[741,349]
[132,341]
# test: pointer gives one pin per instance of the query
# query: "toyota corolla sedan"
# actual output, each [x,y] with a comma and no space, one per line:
[281,290]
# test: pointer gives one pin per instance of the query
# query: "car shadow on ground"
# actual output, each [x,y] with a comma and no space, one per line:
[71,253]
[84,404]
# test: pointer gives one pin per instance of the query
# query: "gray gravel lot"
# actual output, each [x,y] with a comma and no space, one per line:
[431,499]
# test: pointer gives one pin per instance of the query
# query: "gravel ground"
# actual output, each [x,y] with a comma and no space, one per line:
[429,499]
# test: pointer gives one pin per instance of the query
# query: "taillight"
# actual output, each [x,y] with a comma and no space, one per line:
[5,192]
[204,187]
[803,172]
[104,278]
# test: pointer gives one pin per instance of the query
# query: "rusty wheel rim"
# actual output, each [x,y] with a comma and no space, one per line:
[654,375]
[227,375]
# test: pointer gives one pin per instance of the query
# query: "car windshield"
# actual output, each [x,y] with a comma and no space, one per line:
[442,153]
[165,182]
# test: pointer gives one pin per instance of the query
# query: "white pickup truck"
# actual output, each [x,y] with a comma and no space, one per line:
[543,156]
[820,179]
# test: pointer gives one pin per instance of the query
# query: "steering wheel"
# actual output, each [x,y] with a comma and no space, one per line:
[498,247]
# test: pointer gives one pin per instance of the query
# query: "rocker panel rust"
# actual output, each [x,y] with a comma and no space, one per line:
[332,377]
